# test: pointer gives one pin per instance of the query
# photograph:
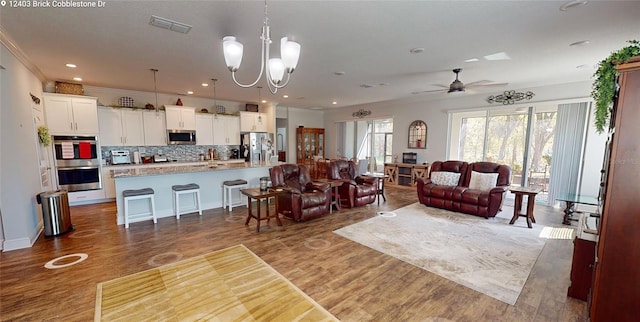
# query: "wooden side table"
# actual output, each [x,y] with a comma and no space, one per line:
[531,194]
[259,195]
[381,179]
[335,193]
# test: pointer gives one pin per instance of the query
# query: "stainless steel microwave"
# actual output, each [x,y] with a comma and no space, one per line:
[182,137]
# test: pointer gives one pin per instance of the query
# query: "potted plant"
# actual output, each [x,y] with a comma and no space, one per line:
[43,134]
[604,86]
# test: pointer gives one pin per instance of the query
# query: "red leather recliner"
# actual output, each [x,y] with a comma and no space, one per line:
[302,199]
[460,197]
[355,191]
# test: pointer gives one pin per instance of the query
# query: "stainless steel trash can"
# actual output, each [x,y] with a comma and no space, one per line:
[55,212]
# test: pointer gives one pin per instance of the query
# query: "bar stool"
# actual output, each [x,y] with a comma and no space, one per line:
[227,193]
[129,195]
[186,189]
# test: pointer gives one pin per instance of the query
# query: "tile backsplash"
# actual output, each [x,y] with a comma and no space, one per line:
[173,152]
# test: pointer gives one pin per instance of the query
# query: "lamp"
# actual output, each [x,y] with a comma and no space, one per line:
[276,67]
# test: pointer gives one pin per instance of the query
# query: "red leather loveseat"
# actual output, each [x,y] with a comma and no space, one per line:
[302,198]
[481,195]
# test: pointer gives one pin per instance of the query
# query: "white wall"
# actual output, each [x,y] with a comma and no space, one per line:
[109,97]
[435,114]
[300,117]
[19,171]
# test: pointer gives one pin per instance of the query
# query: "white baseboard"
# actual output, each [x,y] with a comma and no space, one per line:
[20,243]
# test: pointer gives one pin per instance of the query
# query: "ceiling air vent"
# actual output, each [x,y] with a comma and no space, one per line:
[165,23]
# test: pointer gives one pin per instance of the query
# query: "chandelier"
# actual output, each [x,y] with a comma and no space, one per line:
[289,50]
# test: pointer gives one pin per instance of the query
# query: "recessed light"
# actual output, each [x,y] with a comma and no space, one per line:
[573,4]
[579,43]
[471,60]
[340,73]
[497,56]
[190,92]
[285,96]
[263,101]
[71,65]
[416,50]
[77,79]
[334,103]
[205,84]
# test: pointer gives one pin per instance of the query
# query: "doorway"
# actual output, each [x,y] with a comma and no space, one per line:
[370,140]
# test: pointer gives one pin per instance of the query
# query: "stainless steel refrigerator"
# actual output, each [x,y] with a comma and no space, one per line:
[257,147]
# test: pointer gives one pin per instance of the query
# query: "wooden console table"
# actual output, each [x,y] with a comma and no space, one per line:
[405,174]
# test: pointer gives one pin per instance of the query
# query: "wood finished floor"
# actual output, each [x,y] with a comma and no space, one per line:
[353,282]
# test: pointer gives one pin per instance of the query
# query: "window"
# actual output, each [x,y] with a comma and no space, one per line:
[520,137]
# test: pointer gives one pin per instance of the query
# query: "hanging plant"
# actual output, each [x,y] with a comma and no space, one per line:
[43,134]
[604,86]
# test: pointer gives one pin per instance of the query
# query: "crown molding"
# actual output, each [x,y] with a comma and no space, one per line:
[6,40]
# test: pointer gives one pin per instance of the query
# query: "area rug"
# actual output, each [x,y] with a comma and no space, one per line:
[487,255]
[232,284]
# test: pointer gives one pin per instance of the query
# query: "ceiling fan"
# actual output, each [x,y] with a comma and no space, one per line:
[457,86]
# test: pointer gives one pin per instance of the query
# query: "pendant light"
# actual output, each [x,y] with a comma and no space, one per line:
[155,88]
[259,101]
[215,100]
[275,68]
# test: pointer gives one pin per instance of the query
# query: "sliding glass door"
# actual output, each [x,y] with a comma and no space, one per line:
[519,137]
[370,140]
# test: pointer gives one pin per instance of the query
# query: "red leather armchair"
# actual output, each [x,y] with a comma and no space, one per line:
[302,199]
[355,191]
[460,197]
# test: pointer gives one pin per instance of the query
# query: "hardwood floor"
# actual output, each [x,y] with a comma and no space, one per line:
[353,282]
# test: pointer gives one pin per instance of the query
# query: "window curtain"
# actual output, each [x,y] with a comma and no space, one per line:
[567,150]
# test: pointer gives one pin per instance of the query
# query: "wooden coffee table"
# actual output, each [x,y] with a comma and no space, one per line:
[520,192]
[259,195]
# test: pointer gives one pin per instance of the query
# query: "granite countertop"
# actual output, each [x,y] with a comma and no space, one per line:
[167,164]
[158,170]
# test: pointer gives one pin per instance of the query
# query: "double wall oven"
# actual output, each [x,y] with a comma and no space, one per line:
[77,162]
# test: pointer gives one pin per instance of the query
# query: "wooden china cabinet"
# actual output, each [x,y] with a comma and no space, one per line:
[309,147]
[615,291]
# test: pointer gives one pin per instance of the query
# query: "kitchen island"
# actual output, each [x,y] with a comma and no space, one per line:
[160,179]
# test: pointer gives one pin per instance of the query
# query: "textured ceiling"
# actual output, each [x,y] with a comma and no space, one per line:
[369,41]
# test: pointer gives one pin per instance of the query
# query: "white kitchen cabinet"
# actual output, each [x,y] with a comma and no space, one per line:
[71,114]
[180,117]
[120,127]
[86,197]
[204,129]
[108,183]
[253,122]
[226,130]
[155,130]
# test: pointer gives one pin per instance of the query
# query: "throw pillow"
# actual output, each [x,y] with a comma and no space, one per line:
[483,181]
[444,178]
